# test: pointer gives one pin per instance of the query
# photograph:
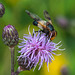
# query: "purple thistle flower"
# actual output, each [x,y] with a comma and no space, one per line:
[38,49]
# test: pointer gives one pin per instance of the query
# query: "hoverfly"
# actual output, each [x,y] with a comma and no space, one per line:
[45,26]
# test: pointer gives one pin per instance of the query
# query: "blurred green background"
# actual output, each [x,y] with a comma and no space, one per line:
[15,15]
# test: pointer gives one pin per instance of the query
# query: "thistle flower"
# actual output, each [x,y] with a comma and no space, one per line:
[10,36]
[62,21]
[38,48]
[2,10]
[64,70]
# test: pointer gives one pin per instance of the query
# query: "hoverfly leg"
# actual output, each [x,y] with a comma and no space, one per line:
[37,32]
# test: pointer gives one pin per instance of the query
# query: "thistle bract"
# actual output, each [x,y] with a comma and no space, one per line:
[10,36]
[38,48]
[2,10]
[23,63]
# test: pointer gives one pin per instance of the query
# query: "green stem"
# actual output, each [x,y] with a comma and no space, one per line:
[12,61]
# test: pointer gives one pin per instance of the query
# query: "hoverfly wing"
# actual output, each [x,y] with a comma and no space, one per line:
[33,16]
[47,16]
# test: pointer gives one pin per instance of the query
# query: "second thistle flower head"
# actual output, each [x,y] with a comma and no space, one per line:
[10,36]
[38,49]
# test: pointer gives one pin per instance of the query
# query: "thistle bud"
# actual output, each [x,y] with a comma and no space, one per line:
[24,63]
[2,10]
[10,36]
[64,70]
[62,21]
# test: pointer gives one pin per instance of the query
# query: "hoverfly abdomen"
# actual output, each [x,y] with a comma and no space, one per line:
[35,23]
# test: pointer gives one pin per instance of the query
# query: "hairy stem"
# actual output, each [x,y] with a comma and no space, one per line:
[17,73]
[12,61]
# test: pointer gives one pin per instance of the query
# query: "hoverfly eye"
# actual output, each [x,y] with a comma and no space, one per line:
[35,23]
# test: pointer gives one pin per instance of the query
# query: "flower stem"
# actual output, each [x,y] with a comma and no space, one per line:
[18,71]
[12,61]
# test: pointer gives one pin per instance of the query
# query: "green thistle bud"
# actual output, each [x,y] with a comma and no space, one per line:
[10,36]
[2,10]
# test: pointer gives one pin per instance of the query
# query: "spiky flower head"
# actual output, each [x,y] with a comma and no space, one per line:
[2,10]
[10,36]
[38,49]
